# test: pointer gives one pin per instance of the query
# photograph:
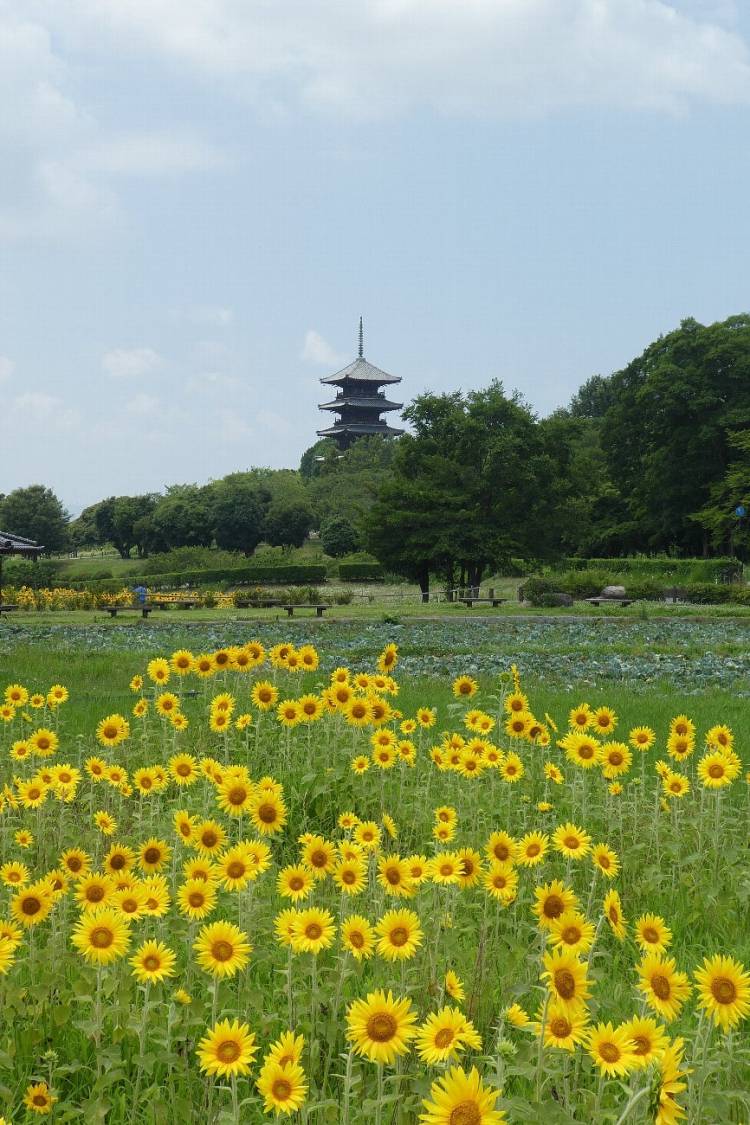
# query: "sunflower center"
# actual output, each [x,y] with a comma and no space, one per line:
[228,1051]
[129,906]
[237,795]
[222,950]
[560,1027]
[615,758]
[209,839]
[444,1038]
[641,1045]
[356,939]
[610,1052]
[381,1027]
[117,861]
[501,852]
[723,990]
[650,934]
[661,986]
[313,930]
[74,863]
[39,1099]
[572,842]
[399,936]
[553,906]
[571,935]
[151,963]
[465,1113]
[348,877]
[281,1089]
[102,937]
[31,906]
[152,855]
[716,770]
[95,893]
[196,899]
[446,869]
[565,984]
[533,850]
[267,813]
[393,875]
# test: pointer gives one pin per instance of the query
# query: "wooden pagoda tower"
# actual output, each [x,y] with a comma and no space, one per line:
[359,402]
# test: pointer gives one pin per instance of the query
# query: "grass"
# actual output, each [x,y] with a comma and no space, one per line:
[126,1053]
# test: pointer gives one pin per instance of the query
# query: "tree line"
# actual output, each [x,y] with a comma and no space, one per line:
[653,458]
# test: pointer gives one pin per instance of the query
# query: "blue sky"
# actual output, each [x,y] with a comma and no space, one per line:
[199,199]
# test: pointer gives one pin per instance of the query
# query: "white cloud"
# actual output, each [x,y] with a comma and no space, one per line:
[317,350]
[41,409]
[142,404]
[130,363]
[488,57]
[231,427]
[151,154]
[7,367]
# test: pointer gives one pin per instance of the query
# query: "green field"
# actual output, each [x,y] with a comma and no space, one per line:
[112,1049]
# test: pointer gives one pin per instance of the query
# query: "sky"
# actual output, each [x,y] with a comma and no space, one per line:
[199,198]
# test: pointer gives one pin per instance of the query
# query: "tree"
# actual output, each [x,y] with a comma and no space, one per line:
[36,513]
[239,506]
[313,458]
[476,483]
[183,517]
[288,523]
[338,537]
[728,532]
[347,484]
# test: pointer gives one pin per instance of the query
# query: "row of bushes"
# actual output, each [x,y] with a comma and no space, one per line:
[680,570]
[580,585]
[65,598]
[237,576]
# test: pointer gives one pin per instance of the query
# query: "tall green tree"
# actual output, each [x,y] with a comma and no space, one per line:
[36,513]
[239,506]
[476,483]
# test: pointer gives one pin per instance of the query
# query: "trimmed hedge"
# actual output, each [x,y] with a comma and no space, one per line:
[581,585]
[360,572]
[238,576]
[685,570]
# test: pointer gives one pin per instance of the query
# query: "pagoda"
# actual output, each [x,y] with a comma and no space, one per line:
[359,402]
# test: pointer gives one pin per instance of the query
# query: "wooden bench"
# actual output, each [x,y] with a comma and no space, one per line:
[258,603]
[113,610]
[482,601]
[178,603]
[9,608]
[609,601]
[319,609]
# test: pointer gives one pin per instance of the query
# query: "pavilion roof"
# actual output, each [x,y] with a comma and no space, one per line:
[363,372]
[11,544]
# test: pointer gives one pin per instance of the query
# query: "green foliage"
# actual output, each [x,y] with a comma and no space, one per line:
[36,513]
[288,522]
[232,576]
[239,507]
[360,572]
[338,536]
[36,574]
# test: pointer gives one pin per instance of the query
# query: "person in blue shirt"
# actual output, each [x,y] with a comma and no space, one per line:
[141,594]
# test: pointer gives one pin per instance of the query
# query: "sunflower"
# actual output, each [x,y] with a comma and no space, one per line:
[360,764]
[235,868]
[442,1035]
[581,750]
[642,738]
[350,875]
[294,882]
[285,926]
[648,1038]
[721,736]
[311,708]
[153,962]
[459,1098]
[664,988]
[31,905]
[314,930]
[606,860]
[268,812]
[39,1098]
[552,901]
[501,881]
[196,898]
[464,687]
[516,701]
[418,868]
[454,985]
[611,1049]
[400,935]
[182,661]
[357,712]
[680,746]
[445,868]
[101,935]
[615,758]
[671,1083]
[572,931]
[518,724]
[566,977]
[532,848]
[501,847]
[471,867]
[130,901]
[235,795]
[612,909]
[358,936]
[153,855]
[571,841]
[394,877]
[210,837]
[715,771]
[675,784]
[43,742]
[14,874]
[564,1027]
[319,856]
[94,890]
[227,1049]
[723,987]
[444,832]
[118,859]
[511,767]
[222,949]
[380,1026]
[16,695]
[157,895]
[282,1086]
[7,955]
[652,933]
[204,666]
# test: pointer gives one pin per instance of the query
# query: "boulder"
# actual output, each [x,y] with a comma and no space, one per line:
[613,592]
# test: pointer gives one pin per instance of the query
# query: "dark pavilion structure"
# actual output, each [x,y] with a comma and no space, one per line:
[359,402]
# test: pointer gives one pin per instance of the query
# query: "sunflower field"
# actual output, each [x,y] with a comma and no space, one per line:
[260,890]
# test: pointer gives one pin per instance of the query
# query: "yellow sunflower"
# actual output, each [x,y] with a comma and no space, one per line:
[227,1049]
[723,987]
[459,1098]
[222,949]
[380,1027]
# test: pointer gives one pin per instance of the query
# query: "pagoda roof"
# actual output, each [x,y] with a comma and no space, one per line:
[360,400]
[363,372]
[360,428]
[11,544]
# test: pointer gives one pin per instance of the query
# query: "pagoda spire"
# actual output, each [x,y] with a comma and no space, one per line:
[361,339]
[359,401]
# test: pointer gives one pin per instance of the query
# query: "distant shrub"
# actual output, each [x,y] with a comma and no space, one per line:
[360,572]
